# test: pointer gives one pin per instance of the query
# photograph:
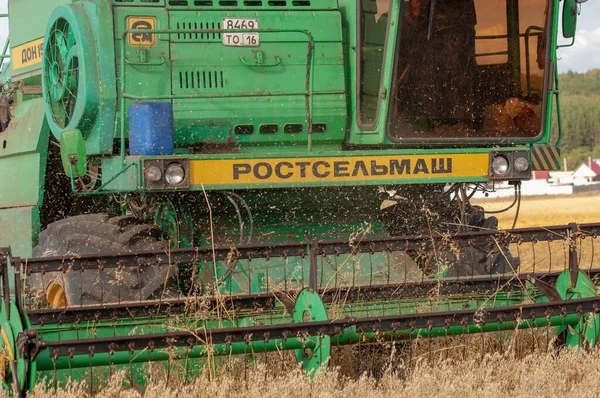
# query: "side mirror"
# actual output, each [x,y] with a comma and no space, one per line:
[569,18]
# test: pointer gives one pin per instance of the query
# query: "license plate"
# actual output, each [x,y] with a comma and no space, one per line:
[241,39]
[250,39]
[240,23]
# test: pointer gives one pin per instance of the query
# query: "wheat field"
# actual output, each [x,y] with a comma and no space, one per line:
[538,373]
[547,210]
[520,364]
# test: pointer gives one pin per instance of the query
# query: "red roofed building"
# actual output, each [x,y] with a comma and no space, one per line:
[540,175]
[587,172]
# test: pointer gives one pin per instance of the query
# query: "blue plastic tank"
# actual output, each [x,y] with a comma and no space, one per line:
[151,128]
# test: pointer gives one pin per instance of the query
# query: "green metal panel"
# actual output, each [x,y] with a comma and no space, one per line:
[263,85]
[28,19]
[83,53]
[124,179]
[23,153]
[219,118]
[21,180]
[100,140]
[151,77]
[19,228]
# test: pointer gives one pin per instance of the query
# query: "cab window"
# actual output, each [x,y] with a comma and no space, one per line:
[372,37]
[469,69]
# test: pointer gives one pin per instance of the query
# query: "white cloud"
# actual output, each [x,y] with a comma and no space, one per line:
[585,53]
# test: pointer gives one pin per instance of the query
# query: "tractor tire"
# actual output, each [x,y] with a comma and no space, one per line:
[95,234]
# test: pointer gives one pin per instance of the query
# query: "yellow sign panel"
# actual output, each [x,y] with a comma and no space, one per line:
[336,169]
[141,39]
[27,54]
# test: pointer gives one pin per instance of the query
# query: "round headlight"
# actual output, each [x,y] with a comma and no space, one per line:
[500,165]
[521,164]
[175,174]
[153,173]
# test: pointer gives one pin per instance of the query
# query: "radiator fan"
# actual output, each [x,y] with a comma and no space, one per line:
[61,71]
[70,71]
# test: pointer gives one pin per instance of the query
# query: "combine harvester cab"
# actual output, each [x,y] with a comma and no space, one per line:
[185,180]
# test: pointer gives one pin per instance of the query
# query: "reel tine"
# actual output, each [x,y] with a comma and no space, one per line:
[410,348]
[405,266]
[62,276]
[249,268]
[91,372]
[519,254]
[547,336]
[196,283]
[70,368]
[565,253]
[593,238]
[388,267]
[100,278]
[482,346]
[178,281]
[534,256]
[131,379]
[354,254]
[169,365]
[371,268]
[446,344]
[186,363]
[285,275]
[267,261]
[500,340]
[139,279]
[429,359]
[336,270]
[246,364]
[117,282]
[323,258]
[464,340]
[54,357]
[80,283]
[549,256]
[110,364]
[302,269]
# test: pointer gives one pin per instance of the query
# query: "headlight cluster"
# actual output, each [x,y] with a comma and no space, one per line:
[509,165]
[166,173]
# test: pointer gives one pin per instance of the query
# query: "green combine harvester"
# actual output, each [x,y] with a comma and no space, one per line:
[187,179]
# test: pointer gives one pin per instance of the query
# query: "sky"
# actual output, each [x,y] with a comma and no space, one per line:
[585,53]
[582,56]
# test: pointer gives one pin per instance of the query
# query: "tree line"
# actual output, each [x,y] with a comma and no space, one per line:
[580,112]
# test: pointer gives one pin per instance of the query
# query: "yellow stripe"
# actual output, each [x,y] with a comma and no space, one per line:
[555,157]
[536,165]
[542,153]
[27,54]
[7,345]
[545,158]
[336,169]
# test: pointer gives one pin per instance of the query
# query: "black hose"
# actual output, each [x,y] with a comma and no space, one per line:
[518,203]
[511,205]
